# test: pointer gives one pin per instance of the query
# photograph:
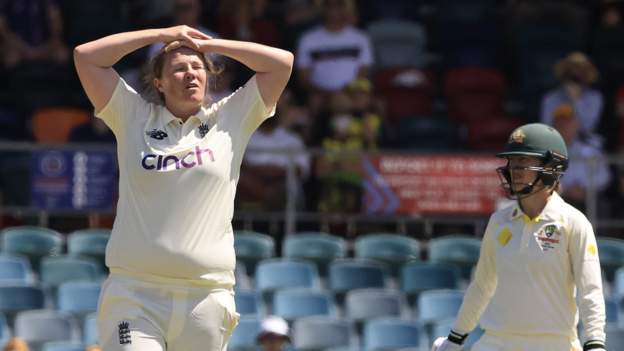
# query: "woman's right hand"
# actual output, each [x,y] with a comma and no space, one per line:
[183,34]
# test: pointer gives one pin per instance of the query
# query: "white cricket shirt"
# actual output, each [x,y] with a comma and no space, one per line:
[177,183]
[530,271]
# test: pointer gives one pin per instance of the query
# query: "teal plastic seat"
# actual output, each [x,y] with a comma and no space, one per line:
[32,242]
[350,274]
[292,304]
[247,302]
[391,333]
[320,248]
[459,250]
[611,253]
[244,336]
[417,277]
[363,304]
[37,327]
[253,247]
[391,249]
[15,268]
[89,329]
[78,297]
[322,332]
[281,273]
[63,346]
[435,305]
[59,269]
[89,242]
[20,297]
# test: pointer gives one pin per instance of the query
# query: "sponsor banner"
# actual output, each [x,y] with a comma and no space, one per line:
[73,180]
[432,184]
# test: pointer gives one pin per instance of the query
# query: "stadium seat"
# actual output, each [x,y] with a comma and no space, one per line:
[89,242]
[15,268]
[89,329]
[615,337]
[37,327]
[611,252]
[407,91]
[252,247]
[611,310]
[241,277]
[291,304]
[52,125]
[349,274]
[278,273]
[391,249]
[436,305]
[362,304]
[32,242]
[618,280]
[417,277]
[321,332]
[5,330]
[321,248]
[391,333]
[78,297]
[398,43]
[460,250]
[474,94]
[244,336]
[20,297]
[248,302]
[58,269]
[63,346]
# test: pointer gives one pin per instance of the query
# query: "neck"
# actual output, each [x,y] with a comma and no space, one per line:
[335,27]
[183,112]
[534,204]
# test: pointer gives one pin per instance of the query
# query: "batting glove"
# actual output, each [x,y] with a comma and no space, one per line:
[454,342]
[594,345]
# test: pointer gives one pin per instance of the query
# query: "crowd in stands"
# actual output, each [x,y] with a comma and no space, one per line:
[417,75]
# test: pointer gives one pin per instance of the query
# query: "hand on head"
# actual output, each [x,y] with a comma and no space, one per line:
[185,35]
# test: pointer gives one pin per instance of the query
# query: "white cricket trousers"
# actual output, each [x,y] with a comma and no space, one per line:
[509,342]
[158,314]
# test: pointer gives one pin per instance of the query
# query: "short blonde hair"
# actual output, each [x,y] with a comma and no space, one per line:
[576,66]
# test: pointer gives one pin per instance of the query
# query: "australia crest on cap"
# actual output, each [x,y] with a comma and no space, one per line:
[517,137]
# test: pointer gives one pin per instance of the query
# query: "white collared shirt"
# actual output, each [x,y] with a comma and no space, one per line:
[530,271]
[177,183]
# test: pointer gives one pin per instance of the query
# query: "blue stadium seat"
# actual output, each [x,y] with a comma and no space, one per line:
[321,248]
[459,250]
[89,242]
[398,43]
[349,274]
[391,333]
[391,249]
[322,332]
[244,336]
[611,252]
[241,277]
[20,297]
[63,346]
[278,273]
[247,302]
[58,269]
[37,327]
[15,268]
[361,304]
[252,247]
[611,310]
[417,277]
[5,331]
[89,329]
[78,297]
[291,304]
[436,305]
[32,242]
[615,337]
[618,280]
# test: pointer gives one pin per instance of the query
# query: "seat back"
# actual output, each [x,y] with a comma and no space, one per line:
[391,333]
[244,336]
[460,250]
[349,274]
[321,248]
[421,276]
[389,248]
[364,304]
[439,304]
[40,326]
[247,302]
[252,247]
[20,297]
[14,268]
[273,274]
[60,269]
[78,297]
[611,252]
[88,242]
[291,304]
[321,332]
[32,242]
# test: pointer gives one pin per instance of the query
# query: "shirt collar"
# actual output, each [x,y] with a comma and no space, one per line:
[549,212]
[168,117]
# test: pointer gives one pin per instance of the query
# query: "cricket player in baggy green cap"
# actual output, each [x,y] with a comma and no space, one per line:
[537,256]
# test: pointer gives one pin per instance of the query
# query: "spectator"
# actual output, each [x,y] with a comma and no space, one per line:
[16,344]
[576,181]
[335,53]
[93,347]
[248,20]
[576,75]
[274,334]
[263,179]
[299,17]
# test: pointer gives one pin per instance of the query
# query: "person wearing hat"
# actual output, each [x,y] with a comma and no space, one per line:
[538,264]
[581,175]
[274,334]
[576,73]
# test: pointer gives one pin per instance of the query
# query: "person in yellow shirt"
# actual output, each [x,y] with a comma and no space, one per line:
[538,258]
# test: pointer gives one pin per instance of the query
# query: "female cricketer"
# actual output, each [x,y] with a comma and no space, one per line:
[171,253]
[538,258]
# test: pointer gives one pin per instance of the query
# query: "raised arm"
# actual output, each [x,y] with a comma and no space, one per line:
[94,60]
[272,65]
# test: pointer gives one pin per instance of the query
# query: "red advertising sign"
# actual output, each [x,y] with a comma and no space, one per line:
[455,184]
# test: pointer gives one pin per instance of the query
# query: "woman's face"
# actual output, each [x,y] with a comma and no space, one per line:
[521,177]
[183,80]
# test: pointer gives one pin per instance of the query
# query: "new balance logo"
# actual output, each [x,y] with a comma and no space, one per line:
[156,134]
[203,129]
[124,333]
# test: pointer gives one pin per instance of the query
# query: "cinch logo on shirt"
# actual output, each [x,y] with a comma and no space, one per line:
[190,160]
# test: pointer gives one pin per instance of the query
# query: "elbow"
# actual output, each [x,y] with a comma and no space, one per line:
[79,52]
[288,60]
